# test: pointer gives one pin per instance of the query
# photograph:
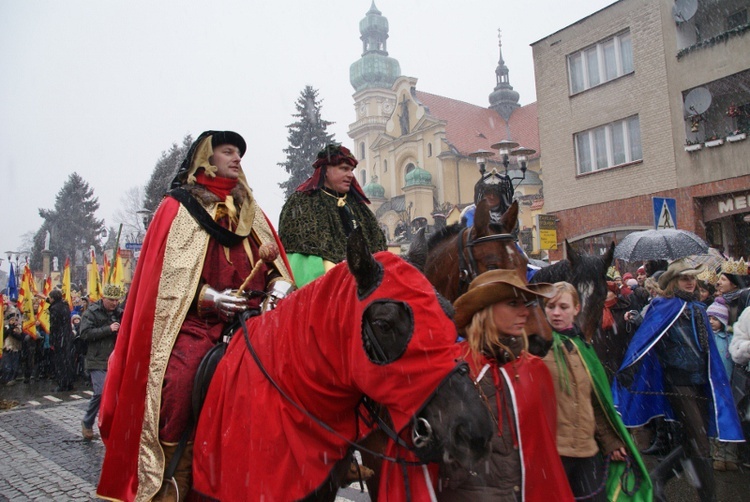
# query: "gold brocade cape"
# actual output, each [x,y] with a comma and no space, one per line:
[163,288]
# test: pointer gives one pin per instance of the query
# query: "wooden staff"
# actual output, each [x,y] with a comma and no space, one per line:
[267,253]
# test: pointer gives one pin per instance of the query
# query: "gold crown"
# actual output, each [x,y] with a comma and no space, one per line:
[709,276]
[112,291]
[734,267]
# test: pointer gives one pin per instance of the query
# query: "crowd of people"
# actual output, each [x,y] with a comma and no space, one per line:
[565,419]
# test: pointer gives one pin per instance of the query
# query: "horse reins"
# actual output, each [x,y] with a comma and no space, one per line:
[468,267]
[386,429]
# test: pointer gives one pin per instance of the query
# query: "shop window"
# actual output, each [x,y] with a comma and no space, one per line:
[608,145]
[600,63]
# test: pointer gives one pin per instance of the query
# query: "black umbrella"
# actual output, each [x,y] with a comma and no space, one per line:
[665,244]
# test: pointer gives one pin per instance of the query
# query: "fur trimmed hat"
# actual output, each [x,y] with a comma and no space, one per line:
[719,310]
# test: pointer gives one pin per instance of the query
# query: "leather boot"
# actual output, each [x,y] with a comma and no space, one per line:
[176,488]
[705,473]
[666,470]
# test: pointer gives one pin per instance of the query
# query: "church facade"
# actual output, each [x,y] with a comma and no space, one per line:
[415,148]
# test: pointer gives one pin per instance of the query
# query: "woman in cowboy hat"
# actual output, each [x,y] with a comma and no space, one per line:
[523,464]
[588,426]
[672,368]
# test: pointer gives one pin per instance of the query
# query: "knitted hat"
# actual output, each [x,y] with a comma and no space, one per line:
[719,310]
[626,277]
[641,270]
[631,283]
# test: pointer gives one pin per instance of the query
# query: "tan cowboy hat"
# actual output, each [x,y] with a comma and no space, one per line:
[495,286]
[677,268]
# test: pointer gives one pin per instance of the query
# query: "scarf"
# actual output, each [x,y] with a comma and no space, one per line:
[221,187]
[608,320]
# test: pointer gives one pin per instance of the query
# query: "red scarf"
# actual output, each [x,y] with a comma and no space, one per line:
[608,320]
[221,187]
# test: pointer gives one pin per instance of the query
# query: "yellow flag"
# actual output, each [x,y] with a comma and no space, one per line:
[42,313]
[105,271]
[94,283]
[118,272]
[26,304]
[66,284]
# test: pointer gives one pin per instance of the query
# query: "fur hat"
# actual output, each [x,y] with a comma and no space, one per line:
[495,286]
[677,268]
[112,292]
[74,317]
[719,310]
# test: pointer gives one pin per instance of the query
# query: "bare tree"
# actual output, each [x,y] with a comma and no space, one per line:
[131,202]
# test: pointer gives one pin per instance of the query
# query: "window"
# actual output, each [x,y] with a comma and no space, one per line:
[362,151]
[600,63]
[429,149]
[737,19]
[364,177]
[385,166]
[608,145]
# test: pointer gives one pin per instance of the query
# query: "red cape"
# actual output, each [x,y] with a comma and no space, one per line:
[252,444]
[122,414]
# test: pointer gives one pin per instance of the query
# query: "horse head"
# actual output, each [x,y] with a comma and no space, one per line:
[589,276]
[401,334]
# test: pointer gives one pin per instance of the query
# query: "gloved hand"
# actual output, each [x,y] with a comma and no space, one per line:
[225,304]
[279,289]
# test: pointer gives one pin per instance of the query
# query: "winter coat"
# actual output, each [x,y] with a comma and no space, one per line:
[737,303]
[680,351]
[13,339]
[95,329]
[582,425]
[739,348]
[61,333]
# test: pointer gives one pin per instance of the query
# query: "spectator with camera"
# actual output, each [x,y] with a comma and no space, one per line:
[99,326]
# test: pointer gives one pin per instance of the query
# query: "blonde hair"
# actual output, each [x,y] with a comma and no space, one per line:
[561,288]
[483,336]
[652,286]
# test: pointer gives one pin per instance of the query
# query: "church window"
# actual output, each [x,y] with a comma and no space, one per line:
[364,177]
[409,168]
[429,149]
[385,166]
[362,151]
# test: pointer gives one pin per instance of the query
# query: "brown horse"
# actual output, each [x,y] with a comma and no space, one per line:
[455,255]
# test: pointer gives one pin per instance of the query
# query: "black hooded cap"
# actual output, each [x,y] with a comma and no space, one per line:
[217,138]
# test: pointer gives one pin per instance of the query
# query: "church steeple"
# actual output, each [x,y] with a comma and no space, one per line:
[503,99]
[374,69]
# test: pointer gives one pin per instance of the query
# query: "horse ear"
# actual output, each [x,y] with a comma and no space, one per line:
[571,253]
[607,258]
[366,270]
[417,254]
[482,219]
[510,217]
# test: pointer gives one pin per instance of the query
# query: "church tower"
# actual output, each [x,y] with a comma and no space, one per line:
[372,77]
[503,99]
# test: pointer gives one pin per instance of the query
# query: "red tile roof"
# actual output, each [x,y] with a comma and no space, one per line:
[470,128]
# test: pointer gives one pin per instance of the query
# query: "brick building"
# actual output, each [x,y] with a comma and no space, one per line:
[643,99]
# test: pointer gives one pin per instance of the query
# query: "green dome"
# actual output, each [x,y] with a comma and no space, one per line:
[374,69]
[418,177]
[374,190]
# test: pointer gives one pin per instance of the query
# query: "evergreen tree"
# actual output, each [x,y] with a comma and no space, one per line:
[164,171]
[307,136]
[73,227]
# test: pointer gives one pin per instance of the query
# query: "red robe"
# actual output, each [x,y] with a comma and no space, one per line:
[158,308]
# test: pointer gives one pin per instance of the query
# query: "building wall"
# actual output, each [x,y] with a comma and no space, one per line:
[620,198]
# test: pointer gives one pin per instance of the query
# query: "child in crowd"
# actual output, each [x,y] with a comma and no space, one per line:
[724,454]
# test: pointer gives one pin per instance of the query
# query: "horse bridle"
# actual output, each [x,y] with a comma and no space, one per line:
[467,268]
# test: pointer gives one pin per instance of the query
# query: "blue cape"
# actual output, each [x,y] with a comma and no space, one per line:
[645,398]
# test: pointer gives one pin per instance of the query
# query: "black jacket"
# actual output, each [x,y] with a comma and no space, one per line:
[95,330]
[59,324]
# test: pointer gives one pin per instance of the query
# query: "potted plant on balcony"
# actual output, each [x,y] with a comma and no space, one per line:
[734,112]
[713,141]
[693,146]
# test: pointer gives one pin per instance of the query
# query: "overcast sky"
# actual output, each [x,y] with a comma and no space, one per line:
[102,87]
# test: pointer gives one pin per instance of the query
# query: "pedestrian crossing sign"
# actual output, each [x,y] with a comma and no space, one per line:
[665,213]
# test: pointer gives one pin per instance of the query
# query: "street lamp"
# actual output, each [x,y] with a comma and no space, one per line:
[481,158]
[146,217]
[508,149]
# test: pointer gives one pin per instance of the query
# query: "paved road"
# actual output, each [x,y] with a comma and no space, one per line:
[42,455]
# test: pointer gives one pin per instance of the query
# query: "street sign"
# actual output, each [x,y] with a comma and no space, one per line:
[665,213]
[133,246]
[547,225]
